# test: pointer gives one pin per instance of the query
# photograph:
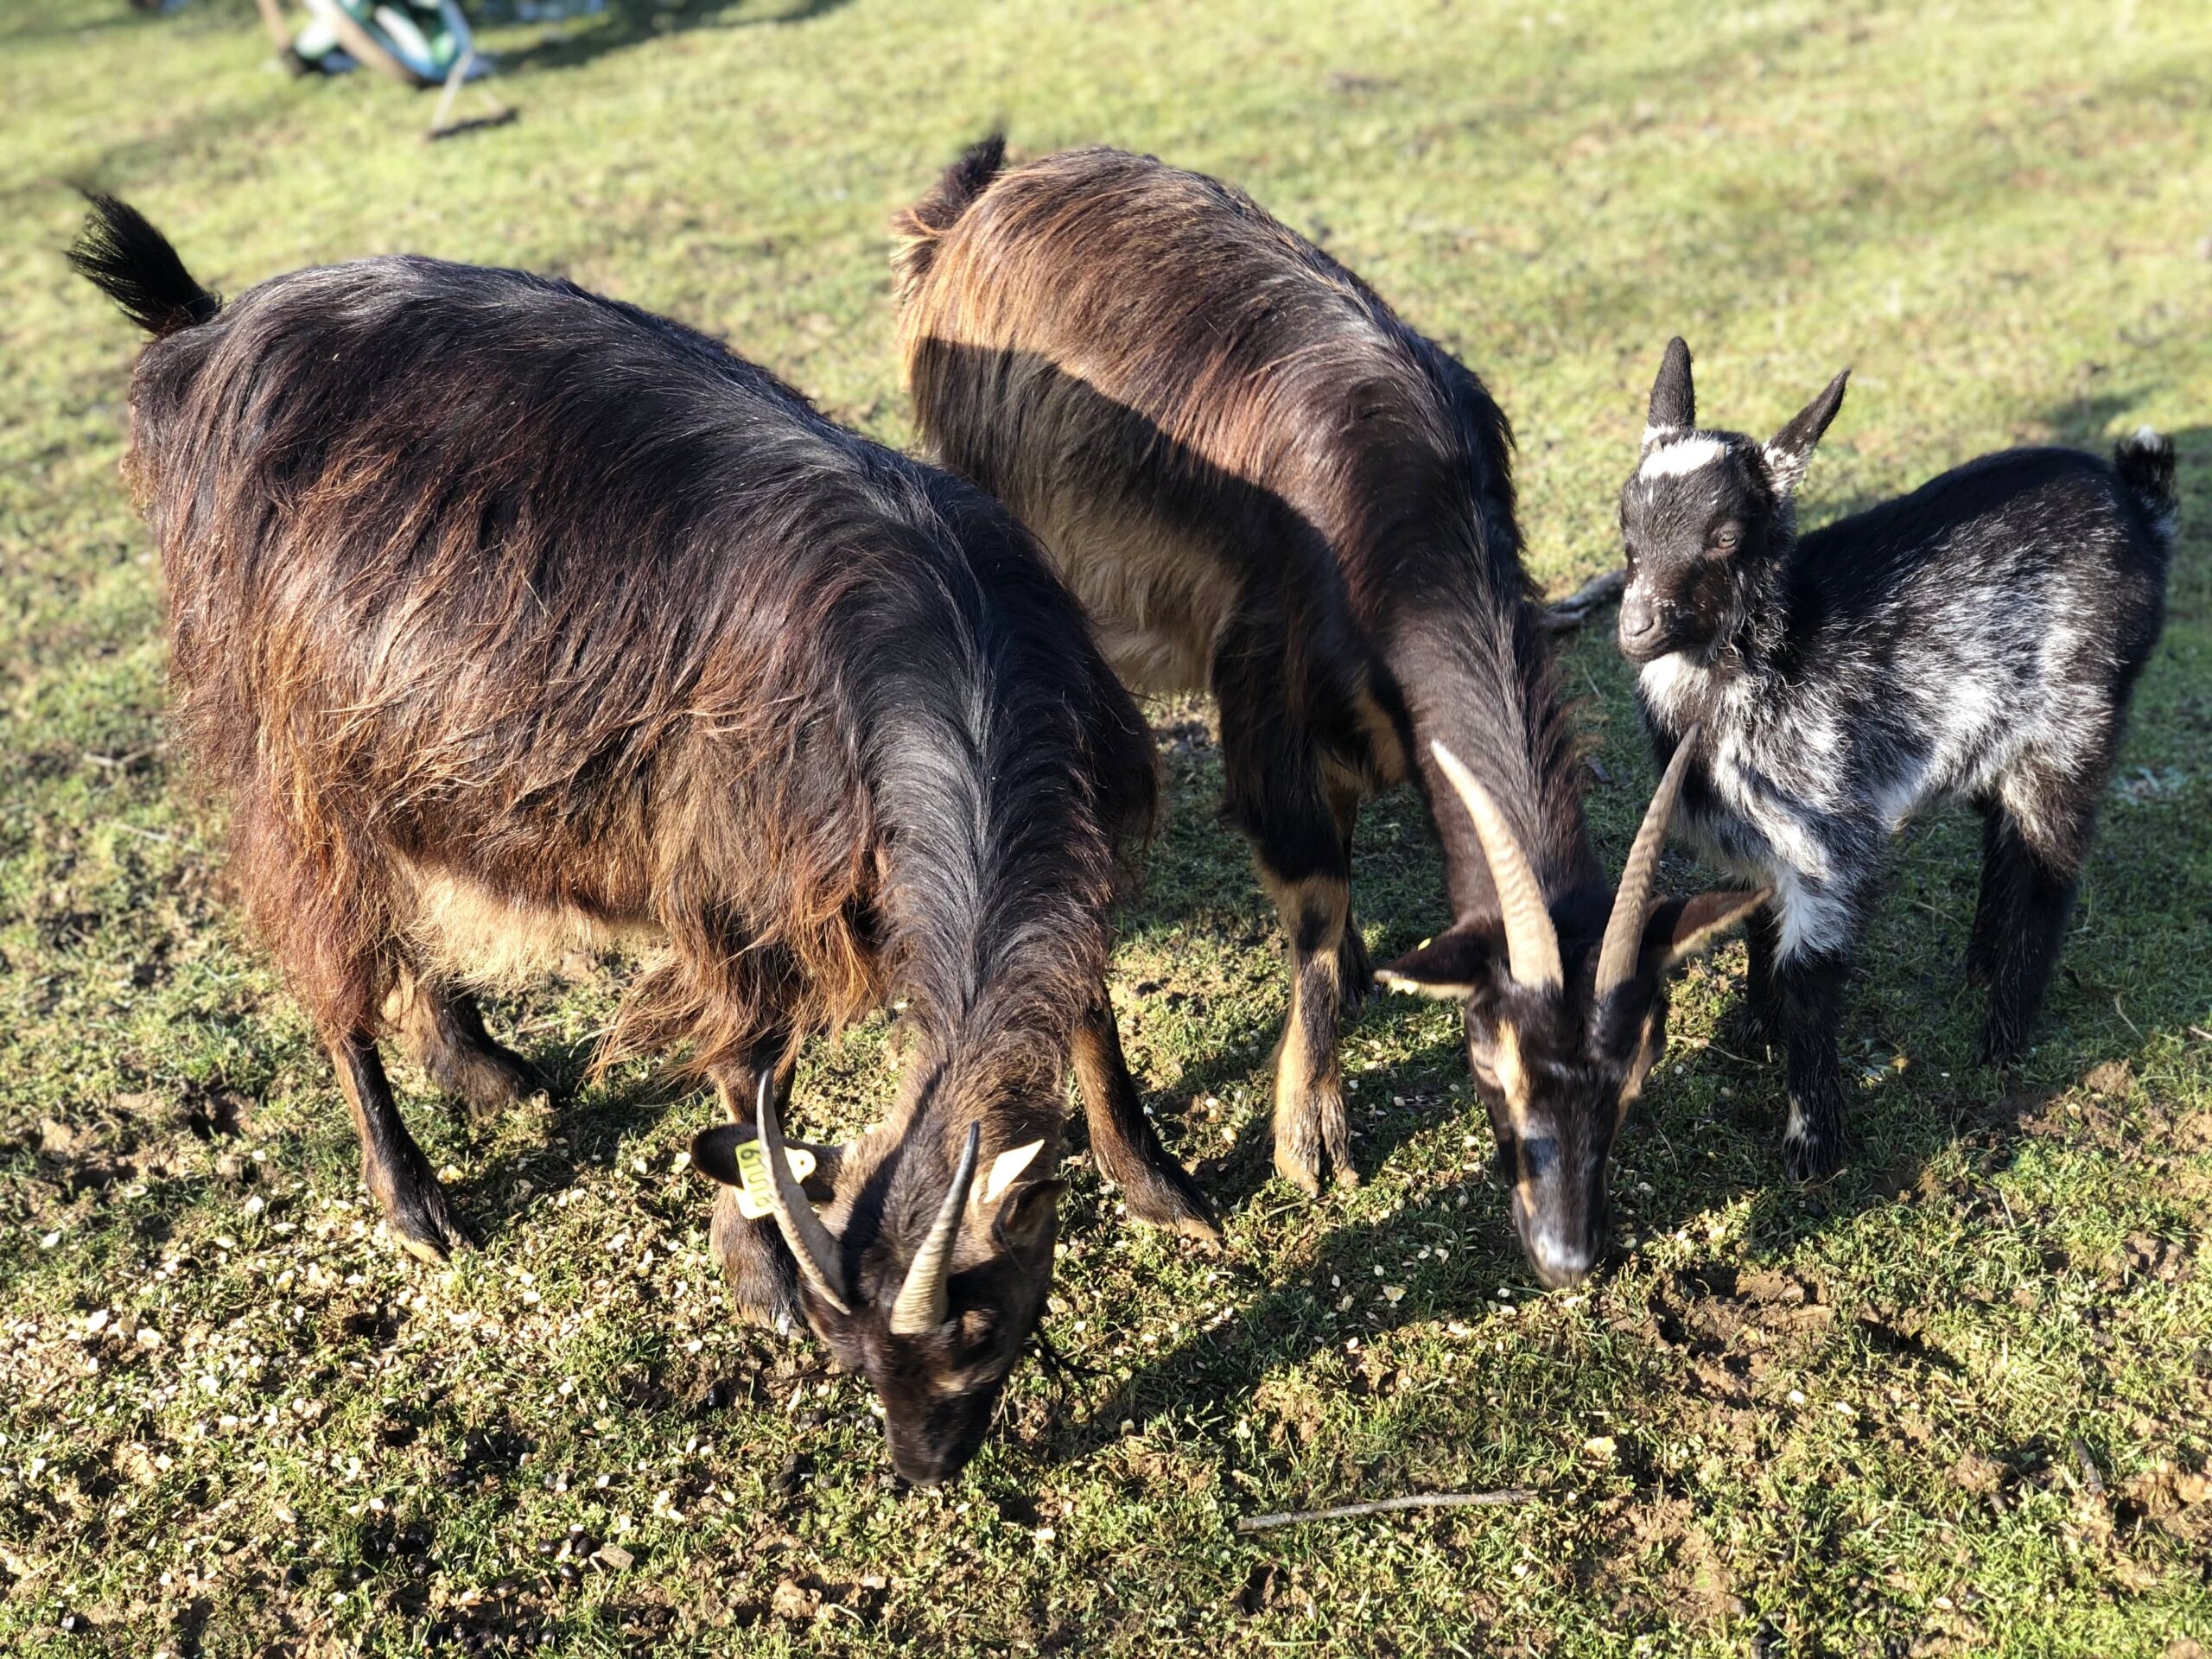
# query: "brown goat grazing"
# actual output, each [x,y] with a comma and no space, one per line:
[1260,481]
[504,616]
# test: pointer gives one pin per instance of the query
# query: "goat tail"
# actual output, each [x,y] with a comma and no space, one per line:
[131,262]
[917,230]
[2146,462]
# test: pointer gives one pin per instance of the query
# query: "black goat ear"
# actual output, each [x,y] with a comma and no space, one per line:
[1024,1219]
[1447,967]
[714,1152]
[1679,928]
[1790,451]
[1674,400]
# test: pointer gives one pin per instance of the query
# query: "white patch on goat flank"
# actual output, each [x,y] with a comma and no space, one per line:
[1679,457]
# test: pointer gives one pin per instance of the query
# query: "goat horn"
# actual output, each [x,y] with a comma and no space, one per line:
[802,1229]
[923,1303]
[1617,957]
[1531,941]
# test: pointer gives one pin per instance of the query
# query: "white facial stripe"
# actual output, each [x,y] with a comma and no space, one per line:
[1679,456]
[1658,434]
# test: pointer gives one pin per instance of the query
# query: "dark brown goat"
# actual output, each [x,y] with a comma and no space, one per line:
[505,616]
[1261,483]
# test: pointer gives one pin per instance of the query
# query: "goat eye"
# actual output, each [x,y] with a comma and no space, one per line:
[1725,539]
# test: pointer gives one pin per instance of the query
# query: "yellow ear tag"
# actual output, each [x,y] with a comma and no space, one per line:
[754,1194]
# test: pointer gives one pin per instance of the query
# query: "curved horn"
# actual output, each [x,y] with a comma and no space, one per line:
[802,1229]
[1624,927]
[1531,941]
[922,1303]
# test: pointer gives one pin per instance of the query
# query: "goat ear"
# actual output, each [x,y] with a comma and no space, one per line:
[1448,967]
[714,1152]
[1674,400]
[1024,1220]
[1679,928]
[1005,1170]
[1790,451]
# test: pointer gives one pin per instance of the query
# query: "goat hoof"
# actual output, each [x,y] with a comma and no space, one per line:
[493,1082]
[1300,1167]
[1172,1201]
[1810,1160]
[426,1228]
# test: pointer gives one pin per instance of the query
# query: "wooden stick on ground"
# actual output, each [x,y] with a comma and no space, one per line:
[1575,609]
[1382,1506]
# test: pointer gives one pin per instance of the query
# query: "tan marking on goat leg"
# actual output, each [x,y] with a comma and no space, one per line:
[1309,1117]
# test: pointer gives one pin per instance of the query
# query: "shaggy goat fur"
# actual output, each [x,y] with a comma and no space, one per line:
[1261,482]
[505,617]
[1977,639]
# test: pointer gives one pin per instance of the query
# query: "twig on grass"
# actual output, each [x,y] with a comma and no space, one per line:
[1575,610]
[1385,1505]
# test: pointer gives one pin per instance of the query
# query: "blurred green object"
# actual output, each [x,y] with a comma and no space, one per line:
[420,41]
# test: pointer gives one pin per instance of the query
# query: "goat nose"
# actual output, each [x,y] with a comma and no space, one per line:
[1638,618]
[1562,1269]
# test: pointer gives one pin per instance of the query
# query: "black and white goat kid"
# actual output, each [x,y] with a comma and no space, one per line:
[1976,639]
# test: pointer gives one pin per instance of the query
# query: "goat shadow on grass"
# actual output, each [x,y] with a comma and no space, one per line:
[625,23]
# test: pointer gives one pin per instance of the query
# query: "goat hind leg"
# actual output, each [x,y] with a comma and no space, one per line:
[2038,883]
[442,1029]
[1158,1190]
[397,1175]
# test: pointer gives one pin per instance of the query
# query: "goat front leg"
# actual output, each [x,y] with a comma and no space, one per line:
[397,1175]
[1753,1024]
[1275,795]
[1312,1137]
[1158,1190]
[758,1265]
[1818,926]
[1809,1000]
[1354,973]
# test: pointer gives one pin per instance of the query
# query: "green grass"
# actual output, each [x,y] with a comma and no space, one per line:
[1959,1400]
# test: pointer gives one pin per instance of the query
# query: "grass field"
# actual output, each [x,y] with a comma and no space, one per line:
[1958,1401]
